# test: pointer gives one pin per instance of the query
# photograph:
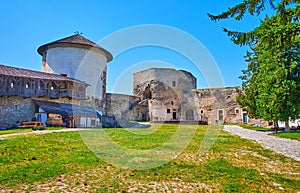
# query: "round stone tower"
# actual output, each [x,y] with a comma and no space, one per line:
[79,58]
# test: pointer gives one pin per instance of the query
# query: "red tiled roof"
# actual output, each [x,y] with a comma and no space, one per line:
[76,39]
[20,72]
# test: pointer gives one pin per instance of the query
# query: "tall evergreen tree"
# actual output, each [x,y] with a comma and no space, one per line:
[271,83]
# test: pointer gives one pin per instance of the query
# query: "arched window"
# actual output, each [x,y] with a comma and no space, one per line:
[202,112]
[147,92]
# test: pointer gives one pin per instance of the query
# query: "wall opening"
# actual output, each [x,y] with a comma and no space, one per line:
[245,118]
[190,115]
[147,92]
[174,116]
[174,83]
[221,115]
[202,112]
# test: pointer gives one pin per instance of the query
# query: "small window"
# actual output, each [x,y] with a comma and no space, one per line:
[237,111]
[174,83]
[12,85]
[26,86]
[202,112]
[172,103]
[93,122]
[168,111]
[221,114]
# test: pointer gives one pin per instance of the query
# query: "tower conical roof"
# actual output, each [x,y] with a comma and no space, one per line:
[76,39]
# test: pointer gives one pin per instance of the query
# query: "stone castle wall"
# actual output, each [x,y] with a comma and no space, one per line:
[14,110]
[126,108]
[176,79]
[219,105]
[164,89]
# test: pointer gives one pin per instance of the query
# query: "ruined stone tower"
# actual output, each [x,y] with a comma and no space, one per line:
[166,91]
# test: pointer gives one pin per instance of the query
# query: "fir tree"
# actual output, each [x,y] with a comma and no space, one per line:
[271,83]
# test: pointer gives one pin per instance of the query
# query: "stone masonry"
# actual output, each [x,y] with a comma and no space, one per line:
[164,89]
[14,110]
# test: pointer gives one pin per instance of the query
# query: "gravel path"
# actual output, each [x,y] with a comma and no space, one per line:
[40,132]
[287,147]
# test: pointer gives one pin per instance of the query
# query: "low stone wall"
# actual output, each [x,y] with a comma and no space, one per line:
[126,107]
[14,110]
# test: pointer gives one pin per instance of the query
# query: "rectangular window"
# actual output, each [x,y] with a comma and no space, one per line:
[174,83]
[221,114]
[168,111]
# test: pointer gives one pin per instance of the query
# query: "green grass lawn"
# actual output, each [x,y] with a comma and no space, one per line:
[289,135]
[59,162]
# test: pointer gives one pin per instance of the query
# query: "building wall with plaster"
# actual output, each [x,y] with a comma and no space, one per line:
[79,63]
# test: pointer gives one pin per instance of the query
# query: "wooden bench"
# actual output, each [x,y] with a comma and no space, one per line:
[33,124]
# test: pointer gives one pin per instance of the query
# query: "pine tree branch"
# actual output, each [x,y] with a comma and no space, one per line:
[253,7]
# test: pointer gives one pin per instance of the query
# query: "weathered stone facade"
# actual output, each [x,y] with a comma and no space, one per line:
[14,110]
[164,89]
[178,80]
[172,96]
[219,105]
[125,108]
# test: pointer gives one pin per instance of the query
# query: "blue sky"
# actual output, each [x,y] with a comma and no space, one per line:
[25,25]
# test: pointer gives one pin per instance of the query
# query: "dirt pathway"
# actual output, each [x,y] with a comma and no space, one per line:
[40,132]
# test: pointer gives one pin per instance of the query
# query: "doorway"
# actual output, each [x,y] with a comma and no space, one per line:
[174,116]
[245,118]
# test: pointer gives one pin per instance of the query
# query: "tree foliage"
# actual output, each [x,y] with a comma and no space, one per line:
[271,83]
